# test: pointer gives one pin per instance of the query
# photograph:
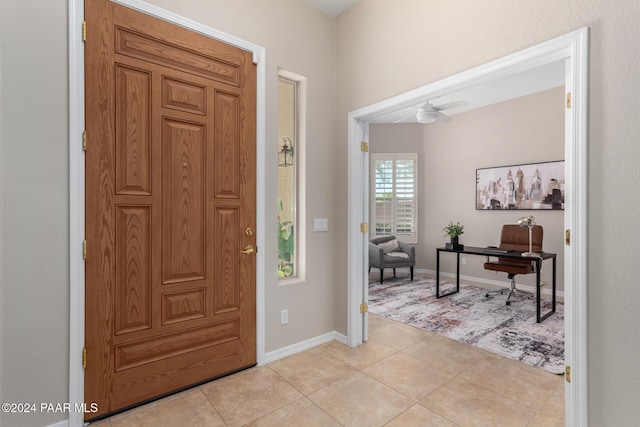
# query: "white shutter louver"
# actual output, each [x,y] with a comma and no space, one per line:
[394,187]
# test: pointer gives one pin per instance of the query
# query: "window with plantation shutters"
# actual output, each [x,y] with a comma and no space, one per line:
[394,197]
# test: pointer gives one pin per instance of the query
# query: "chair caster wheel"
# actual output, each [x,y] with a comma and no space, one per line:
[486,295]
[508,303]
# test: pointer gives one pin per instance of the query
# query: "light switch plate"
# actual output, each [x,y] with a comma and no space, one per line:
[320,224]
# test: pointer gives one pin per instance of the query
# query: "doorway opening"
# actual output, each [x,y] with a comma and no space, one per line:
[571,48]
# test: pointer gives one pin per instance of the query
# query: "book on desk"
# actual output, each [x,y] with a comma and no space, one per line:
[496,250]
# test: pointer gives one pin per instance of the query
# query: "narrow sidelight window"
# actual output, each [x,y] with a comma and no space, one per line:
[289,166]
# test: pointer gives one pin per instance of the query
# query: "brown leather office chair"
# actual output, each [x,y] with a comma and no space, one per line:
[514,237]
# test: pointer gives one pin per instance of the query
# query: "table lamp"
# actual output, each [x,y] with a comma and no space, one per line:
[527,222]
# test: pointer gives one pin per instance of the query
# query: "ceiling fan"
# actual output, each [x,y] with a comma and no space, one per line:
[428,113]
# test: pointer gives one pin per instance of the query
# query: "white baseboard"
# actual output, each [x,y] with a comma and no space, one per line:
[546,290]
[64,423]
[280,353]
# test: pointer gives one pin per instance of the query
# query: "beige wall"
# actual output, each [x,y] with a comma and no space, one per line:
[35,200]
[1,227]
[524,130]
[386,48]
[35,275]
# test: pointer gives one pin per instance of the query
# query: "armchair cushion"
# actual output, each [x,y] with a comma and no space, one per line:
[389,246]
[397,254]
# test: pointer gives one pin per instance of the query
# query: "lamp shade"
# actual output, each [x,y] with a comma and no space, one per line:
[527,221]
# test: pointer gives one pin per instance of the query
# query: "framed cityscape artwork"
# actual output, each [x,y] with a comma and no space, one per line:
[527,186]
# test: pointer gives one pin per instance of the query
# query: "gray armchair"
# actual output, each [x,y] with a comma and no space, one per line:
[380,258]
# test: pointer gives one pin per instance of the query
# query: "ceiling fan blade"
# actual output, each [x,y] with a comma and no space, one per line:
[411,116]
[443,117]
[451,105]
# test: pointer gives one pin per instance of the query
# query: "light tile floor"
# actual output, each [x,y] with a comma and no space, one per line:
[402,377]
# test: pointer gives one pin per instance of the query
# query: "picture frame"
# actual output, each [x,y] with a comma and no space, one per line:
[529,186]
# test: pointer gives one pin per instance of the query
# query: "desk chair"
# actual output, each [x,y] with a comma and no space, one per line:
[513,237]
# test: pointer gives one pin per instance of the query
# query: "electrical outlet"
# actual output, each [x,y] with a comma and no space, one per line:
[464,260]
[284,317]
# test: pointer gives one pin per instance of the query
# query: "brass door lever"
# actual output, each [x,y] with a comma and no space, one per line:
[248,250]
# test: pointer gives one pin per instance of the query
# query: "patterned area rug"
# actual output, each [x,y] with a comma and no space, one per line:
[472,318]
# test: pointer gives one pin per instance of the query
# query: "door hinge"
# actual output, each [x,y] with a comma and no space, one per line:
[364,227]
[84,358]
[84,140]
[84,31]
[567,237]
[568,99]
[84,249]
[364,147]
[567,372]
[364,307]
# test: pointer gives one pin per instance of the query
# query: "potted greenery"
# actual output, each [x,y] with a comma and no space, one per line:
[285,245]
[454,230]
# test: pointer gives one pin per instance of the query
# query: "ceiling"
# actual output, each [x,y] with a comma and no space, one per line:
[331,7]
[491,92]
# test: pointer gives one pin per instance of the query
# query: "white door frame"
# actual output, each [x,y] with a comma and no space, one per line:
[77,182]
[574,49]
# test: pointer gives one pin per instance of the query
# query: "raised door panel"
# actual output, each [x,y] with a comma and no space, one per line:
[226,264]
[149,380]
[133,269]
[183,96]
[226,159]
[164,53]
[133,131]
[151,350]
[183,305]
[183,245]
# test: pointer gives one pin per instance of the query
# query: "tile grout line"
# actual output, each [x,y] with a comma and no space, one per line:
[212,405]
[304,396]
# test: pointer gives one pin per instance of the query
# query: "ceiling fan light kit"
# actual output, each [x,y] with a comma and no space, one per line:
[424,116]
[427,113]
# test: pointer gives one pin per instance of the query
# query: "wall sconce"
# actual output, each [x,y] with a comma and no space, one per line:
[285,155]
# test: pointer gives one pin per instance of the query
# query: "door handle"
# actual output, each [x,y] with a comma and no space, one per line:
[248,250]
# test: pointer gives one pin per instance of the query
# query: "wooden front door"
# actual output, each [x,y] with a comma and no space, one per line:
[170,207]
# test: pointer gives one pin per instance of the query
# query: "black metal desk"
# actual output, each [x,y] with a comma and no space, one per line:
[472,250]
